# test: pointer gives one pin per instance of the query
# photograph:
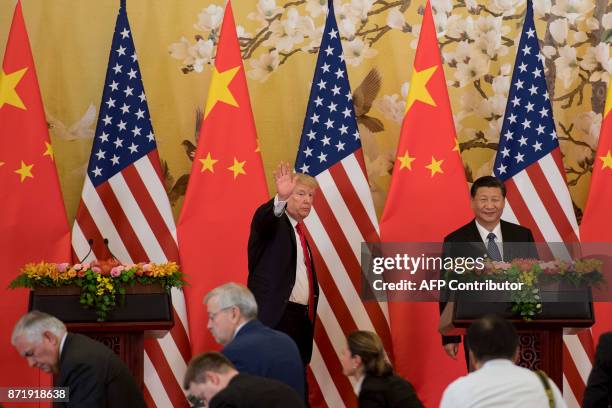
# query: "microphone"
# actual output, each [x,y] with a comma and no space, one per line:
[109,250]
[90,241]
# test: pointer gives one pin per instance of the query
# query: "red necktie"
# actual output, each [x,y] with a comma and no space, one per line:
[300,232]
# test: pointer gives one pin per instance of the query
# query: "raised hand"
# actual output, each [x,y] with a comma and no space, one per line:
[285,181]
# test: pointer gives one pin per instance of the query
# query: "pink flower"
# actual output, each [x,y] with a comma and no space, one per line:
[78,267]
[86,266]
[96,269]
[115,272]
[62,267]
[524,265]
[147,267]
[502,265]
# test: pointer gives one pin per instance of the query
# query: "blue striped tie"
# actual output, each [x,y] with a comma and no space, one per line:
[492,247]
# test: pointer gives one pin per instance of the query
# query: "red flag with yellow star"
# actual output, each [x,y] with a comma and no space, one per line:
[226,185]
[596,224]
[33,224]
[428,198]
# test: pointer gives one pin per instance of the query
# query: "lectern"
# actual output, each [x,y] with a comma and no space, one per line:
[541,339]
[145,312]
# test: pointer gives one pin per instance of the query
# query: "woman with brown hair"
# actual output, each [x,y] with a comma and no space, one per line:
[377,386]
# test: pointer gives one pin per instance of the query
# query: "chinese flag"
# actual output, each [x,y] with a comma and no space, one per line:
[428,198]
[226,185]
[33,225]
[596,225]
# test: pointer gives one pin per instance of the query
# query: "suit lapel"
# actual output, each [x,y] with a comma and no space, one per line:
[507,239]
[474,236]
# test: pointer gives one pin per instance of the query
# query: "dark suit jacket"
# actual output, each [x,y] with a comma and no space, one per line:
[473,246]
[249,391]
[97,378]
[272,262]
[262,351]
[598,392]
[387,392]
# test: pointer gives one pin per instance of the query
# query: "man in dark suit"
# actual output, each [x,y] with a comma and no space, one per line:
[281,271]
[94,375]
[213,379]
[252,347]
[598,392]
[486,236]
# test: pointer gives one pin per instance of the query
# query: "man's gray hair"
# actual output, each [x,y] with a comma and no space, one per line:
[234,294]
[34,324]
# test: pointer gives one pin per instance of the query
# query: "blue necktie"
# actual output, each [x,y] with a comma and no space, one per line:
[492,247]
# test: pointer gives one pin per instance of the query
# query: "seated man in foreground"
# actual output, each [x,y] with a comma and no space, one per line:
[252,347]
[213,379]
[497,381]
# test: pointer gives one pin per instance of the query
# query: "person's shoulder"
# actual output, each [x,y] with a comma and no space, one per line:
[396,380]
[256,335]
[606,339]
[604,346]
[514,228]
[460,233]
[263,385]
[80,345]
[455,392]
[269,334]
[268,205]
[386,382]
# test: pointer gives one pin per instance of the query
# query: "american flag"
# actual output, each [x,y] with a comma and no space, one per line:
[342,218]
[125,203]
[529,161]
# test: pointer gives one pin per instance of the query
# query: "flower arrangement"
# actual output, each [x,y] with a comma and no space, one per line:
[100,281]
[534,275]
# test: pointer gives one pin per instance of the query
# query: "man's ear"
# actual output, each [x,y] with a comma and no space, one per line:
[50,337]
[474,365]
[212,377]
[515,359]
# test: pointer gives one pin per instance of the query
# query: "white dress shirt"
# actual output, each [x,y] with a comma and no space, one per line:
[61,347]
[500,384]
[484,235]
[301,289]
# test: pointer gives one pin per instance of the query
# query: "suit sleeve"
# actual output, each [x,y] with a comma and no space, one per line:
[264,220]
[598,391]
[86,389]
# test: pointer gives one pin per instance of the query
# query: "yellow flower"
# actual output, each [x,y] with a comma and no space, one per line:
[167,269]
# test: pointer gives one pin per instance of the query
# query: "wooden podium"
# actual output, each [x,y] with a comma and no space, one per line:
[540,340]
[146,313]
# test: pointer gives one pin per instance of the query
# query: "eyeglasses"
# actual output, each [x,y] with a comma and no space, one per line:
[212,316]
